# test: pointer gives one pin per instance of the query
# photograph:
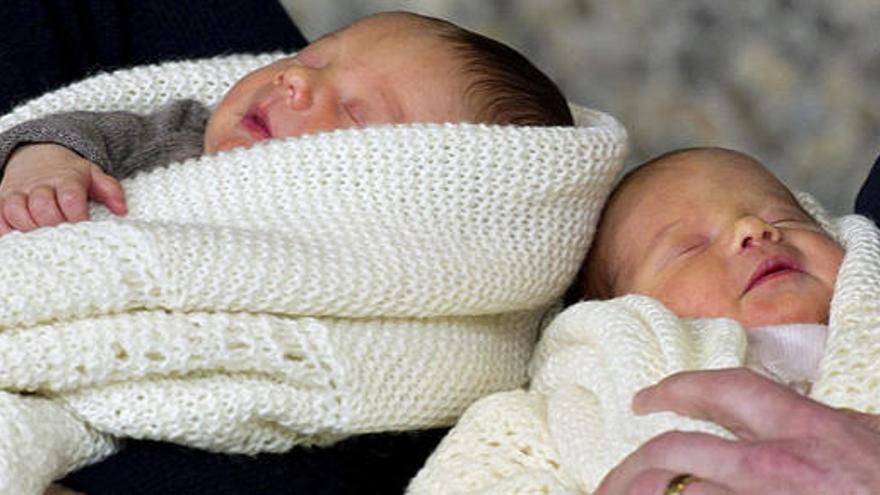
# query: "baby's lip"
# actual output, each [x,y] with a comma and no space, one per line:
[256,122]
[770,268]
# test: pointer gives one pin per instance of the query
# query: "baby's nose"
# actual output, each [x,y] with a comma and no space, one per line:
[751,231]
[296,83]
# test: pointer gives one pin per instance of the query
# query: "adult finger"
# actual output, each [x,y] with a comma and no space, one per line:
[705,456]
[74,201]
[43,208]
[702,487]
[16,213]
[659,481]
[107,190]
[740,400]
[872,421]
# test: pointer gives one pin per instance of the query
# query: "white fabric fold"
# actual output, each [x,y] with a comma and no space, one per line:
[296,292]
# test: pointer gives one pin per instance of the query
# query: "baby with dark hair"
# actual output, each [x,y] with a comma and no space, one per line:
[387,68]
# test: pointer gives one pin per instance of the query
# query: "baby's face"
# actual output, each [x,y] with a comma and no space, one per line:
[382,69]
[720,240]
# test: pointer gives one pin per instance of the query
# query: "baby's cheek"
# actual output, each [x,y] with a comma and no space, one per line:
[699,298]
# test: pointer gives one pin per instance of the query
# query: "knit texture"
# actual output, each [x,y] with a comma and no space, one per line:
[575,422]
[296,292]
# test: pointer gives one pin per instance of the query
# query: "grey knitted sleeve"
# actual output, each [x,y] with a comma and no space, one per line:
[121,143]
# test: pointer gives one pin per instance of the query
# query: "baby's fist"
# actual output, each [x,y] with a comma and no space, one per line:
[47,184]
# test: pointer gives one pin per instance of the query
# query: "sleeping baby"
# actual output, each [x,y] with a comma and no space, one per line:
[383,69]
[289,292]
[702,259]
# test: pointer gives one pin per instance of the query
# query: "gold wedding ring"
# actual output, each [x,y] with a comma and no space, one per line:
[677,485]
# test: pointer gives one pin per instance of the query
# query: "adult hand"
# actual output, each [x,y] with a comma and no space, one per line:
[47,184]
[786,443]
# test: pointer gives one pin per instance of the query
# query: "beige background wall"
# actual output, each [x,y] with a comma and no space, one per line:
[794,82]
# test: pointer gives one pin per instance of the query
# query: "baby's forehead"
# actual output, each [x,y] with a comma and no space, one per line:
[732,170]
[684,182]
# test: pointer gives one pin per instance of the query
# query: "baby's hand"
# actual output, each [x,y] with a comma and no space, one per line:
[47,184]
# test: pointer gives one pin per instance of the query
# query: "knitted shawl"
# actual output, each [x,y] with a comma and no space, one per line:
[293,293]
[575,423]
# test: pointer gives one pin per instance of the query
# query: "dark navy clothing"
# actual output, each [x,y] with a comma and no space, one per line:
[381,463]
[45,44]
[868,199]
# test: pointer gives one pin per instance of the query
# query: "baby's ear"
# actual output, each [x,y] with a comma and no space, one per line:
[811,205]
[591,282]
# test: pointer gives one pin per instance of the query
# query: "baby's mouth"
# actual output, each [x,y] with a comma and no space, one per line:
[257,125]
[772,268]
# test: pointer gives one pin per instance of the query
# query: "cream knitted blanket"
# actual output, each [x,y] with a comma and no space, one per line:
[575,423]
[296,292]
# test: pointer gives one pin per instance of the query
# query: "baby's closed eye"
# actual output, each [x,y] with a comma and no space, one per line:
[787,217]
[691,246]
[788,222]
[354,112]
[800,222]
[683,247]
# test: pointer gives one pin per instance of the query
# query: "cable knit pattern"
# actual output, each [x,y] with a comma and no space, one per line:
[575,423]
[296,292]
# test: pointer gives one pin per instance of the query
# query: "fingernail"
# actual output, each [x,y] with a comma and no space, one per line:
[641,399]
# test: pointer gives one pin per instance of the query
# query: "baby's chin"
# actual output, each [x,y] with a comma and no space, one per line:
[786,316]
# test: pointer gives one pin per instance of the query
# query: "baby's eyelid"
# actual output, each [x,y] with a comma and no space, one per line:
[677,251]
[790,220]
[690,248]
[798,224]
[354,113]
[780,220]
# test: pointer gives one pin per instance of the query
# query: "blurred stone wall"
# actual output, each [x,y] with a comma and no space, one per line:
[793,82]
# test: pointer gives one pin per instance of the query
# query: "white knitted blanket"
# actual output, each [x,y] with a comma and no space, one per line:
[296,292]
[575,423]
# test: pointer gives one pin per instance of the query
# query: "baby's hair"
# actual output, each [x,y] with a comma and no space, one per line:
[594,282]
[504,87]
[597,282]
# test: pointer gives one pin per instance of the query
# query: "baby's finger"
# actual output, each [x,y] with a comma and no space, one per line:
[16,213]
[74,201]
[43,208]
[4,227]
[107,190]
